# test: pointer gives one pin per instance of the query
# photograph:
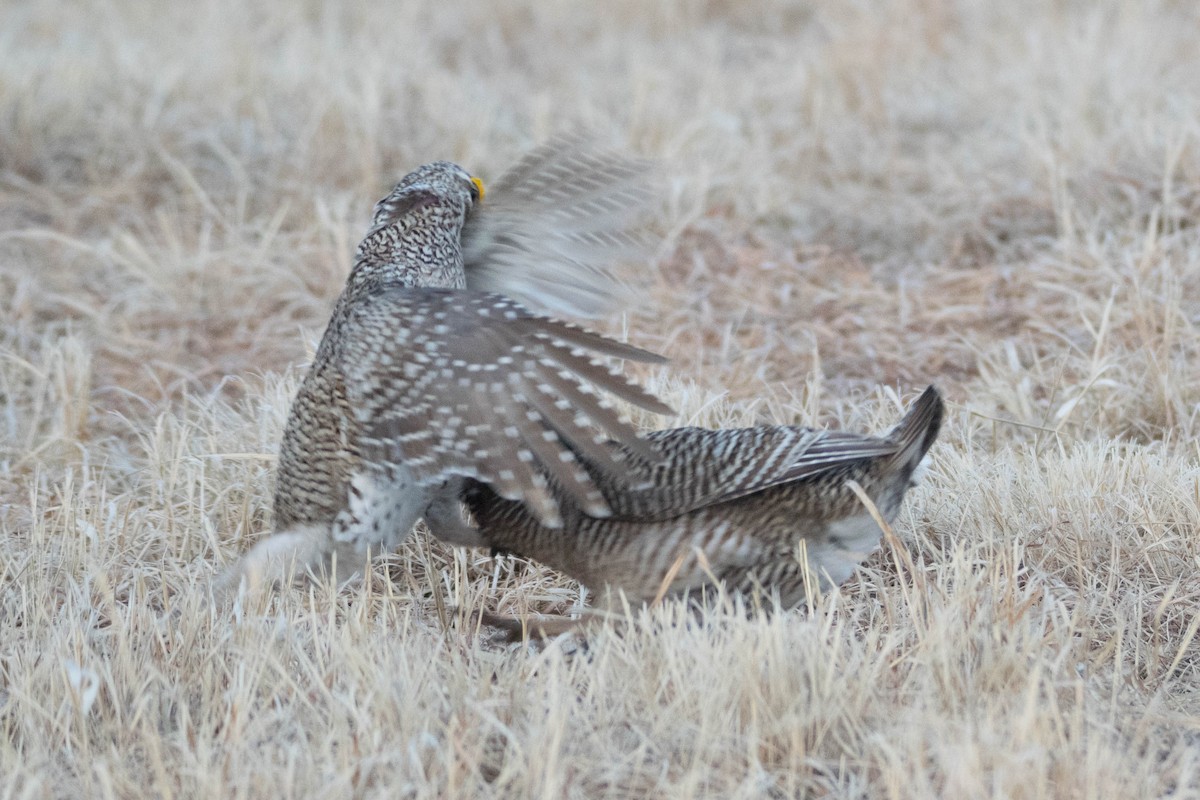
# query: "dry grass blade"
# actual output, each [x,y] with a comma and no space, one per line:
[668,579]
[914,587]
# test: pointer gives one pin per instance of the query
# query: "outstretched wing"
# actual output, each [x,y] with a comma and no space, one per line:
[458,383]
[551,229]
[701,467]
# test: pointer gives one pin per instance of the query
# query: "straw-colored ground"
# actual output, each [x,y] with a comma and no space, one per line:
[1001,198]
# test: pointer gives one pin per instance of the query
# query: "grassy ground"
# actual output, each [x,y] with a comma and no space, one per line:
[1001,198]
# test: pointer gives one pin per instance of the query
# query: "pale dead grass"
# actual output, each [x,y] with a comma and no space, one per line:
[997,197]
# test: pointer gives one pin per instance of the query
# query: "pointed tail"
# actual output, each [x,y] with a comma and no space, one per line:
[916,432]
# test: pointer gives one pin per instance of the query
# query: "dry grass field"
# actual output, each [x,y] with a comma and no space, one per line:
[862,198]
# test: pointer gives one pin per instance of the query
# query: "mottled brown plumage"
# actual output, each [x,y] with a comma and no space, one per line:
[424,378]
[765,509]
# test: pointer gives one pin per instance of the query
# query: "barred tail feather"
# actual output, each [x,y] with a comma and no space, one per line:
[918,430]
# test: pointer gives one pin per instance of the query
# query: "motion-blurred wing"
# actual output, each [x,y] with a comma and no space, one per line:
[552,229]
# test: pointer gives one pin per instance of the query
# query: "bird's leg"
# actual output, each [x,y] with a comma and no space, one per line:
[445,521]
[277,559]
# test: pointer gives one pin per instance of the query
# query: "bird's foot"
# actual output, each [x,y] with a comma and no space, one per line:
[534,627]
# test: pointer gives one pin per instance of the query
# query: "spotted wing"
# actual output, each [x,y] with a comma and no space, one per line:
[458,383]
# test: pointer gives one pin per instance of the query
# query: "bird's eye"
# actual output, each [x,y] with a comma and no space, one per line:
[476,189]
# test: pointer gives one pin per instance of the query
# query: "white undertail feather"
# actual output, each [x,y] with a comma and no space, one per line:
[921,471]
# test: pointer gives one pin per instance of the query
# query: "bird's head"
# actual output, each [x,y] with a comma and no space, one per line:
[438,184]
[415,235]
